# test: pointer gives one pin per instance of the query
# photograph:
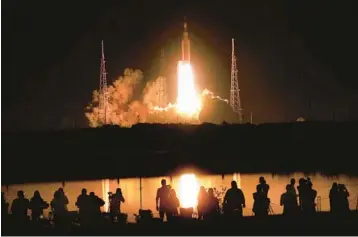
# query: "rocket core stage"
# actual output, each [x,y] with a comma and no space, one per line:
[185,44]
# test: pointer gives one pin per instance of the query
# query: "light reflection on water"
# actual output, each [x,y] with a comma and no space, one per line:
[131,189]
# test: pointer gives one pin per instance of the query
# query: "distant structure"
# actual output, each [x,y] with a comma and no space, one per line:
[162,63]
[185,44]
[161,93]
[235,101]
[103,90]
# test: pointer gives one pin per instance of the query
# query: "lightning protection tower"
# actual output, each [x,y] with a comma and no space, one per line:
[103,90]
[235,101]
[161,92]
[162,86]
[161,63]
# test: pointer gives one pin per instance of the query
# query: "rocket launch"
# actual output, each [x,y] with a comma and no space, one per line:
[185,44]
[188,100]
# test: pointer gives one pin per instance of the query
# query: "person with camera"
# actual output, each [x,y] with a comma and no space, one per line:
[263,186]
[334,198]
[343,202]
[37,206]
[83,205]
[59,208]
[115,201]
[95,203]
[261,203]
[307,196]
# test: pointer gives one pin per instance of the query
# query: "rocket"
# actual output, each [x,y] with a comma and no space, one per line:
[185,44]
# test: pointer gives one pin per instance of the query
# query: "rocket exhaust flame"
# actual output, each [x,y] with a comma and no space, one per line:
[188,100]
[123,110]
[187,95]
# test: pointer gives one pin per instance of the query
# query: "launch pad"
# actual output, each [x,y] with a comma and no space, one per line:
[113,104]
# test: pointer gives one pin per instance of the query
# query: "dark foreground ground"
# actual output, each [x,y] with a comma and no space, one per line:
[157,150]
[321,224]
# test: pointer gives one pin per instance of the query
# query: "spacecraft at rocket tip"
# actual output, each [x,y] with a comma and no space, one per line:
[185,43]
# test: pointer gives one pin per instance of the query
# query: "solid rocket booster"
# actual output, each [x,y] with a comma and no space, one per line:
[185,44]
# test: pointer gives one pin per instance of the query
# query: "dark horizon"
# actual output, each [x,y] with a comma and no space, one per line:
[289,53]
[278,148]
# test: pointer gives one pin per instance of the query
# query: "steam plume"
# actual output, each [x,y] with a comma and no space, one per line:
[123,109]
[152,107]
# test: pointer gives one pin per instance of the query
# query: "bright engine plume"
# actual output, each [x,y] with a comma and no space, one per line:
[188,100]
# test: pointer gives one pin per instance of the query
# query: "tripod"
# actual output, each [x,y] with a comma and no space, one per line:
[270,210]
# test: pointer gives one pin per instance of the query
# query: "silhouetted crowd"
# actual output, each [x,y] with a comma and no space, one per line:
[296,200]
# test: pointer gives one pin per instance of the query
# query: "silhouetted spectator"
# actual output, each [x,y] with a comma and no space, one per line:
[334,198]
[302,189]
[115,203]
[343,202]
[292,187]
[37,206]
[83,204]
[61,195]
[173,205]
[19,207]
[312,197]
[309,182]
[4,206]
[61,192]
[202,202]
[307,196]
[261,202]
[234,200]
[161,200]
[263,186]
[59,207]
[95,203]
[213,208]
[289,201]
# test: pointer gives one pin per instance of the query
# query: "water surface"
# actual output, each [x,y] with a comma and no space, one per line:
[145,198]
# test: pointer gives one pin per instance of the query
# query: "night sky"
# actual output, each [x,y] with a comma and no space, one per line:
[289,53]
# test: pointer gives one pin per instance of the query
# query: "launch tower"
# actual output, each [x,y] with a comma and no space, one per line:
[103,90]
[162,90]
[235,101]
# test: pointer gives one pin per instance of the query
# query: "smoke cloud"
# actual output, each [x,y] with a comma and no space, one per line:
[123,109]
[152,107]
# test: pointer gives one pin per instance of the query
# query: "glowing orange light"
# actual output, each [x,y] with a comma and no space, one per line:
[188,101]
[188,190]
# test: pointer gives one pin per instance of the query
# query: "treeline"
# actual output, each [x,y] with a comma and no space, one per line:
[156,150]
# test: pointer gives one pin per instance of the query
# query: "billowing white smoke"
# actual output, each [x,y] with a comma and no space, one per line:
[122,109]
[155,94]
[153,107]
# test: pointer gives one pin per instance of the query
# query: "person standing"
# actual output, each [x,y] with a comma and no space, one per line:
[161,200]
